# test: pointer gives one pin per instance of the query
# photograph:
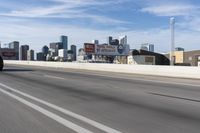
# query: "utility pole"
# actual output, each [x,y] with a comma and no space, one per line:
[172,27]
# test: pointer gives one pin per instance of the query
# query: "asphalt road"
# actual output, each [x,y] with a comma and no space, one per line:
[45,100]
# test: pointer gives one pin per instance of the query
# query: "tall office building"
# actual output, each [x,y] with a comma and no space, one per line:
[179,49]
[73,48]
[30,55]
[45,50]
[147,47]
[69,55]
[56,46]
[15,45]
[95,42]
[123,40]
[109,40]
[40,56]
[23,52]
[64,41]
[114,42]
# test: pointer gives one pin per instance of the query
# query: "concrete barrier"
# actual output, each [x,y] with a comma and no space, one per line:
[167,71]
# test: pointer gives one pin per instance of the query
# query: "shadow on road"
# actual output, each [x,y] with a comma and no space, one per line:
[17,70]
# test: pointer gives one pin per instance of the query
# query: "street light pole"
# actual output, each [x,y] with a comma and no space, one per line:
[172,27]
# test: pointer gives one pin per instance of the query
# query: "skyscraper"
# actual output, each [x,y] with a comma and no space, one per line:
[23,52]
[114,42]
[40,56]
[123,40]
[109,40]
[15,45]
[147,47]
[56,46]
[95,42]
[64,41]
[45,50]
[30,55]
[73,48]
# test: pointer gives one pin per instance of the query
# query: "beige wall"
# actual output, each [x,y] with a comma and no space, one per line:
[179,56]
[192,57]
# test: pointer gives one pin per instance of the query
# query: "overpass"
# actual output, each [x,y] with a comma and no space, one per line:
[65,100]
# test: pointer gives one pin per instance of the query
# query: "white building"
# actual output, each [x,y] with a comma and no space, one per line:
[62,53]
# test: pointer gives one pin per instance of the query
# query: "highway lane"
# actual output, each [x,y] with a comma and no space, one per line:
[117,102]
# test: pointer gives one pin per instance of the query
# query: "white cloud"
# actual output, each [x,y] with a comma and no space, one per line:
[67,9]
[186,14]
[36,12]
[91,2]
[172,10]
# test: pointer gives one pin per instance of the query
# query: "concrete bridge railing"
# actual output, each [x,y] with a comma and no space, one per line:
[167,71]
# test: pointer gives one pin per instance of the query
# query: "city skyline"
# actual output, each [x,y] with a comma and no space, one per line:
[40,22]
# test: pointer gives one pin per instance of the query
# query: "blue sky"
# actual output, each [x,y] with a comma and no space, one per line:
[39,22]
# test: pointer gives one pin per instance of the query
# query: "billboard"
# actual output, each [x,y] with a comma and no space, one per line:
[89,48]
[106,50]
[112,50]
[8,54]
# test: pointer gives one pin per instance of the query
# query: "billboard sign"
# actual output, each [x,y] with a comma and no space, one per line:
[8,54]
[89,48]
[112,50]
[106,50]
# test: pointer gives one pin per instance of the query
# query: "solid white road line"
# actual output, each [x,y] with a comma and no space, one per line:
[51,115]
[65,111]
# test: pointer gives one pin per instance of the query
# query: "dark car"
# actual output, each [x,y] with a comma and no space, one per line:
[1,63]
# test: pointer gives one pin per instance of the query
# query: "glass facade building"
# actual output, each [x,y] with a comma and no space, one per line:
[64,40]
